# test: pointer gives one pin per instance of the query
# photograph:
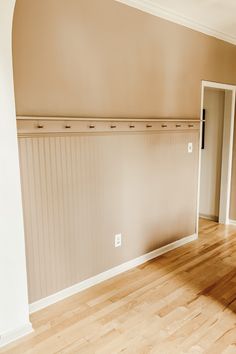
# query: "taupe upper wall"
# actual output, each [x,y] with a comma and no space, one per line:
[101,58]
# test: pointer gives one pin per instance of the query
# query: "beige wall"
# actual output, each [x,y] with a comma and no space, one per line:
[79,191]
[103,58]
[214,104]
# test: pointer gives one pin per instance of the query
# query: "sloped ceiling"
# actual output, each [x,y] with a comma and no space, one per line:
[213,17]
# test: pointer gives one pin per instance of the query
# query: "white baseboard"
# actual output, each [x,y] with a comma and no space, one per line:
[40,304]
[232,222]
[10,336]
[209,217]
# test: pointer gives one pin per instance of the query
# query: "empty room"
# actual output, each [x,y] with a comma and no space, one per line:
[118,176]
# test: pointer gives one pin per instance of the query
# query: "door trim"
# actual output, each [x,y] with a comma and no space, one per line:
[227,156]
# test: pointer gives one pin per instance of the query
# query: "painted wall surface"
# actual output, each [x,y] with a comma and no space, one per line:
[102,58]
[81,190]
[14,315]
[214,103]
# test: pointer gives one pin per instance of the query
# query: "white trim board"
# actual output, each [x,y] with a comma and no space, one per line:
[10,336]
[63,294]
[209,217]
[228,139]
[217,85]
[232,222]
[151,7]
[227,156]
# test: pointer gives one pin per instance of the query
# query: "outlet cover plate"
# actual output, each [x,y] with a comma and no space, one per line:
[118,240]
[190,148]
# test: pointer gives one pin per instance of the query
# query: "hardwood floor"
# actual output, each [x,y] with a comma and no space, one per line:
[181,302]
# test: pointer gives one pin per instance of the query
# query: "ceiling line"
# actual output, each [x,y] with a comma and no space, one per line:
[152,8]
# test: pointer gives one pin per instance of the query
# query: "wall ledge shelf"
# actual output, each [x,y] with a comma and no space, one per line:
[107,119]
[28,126]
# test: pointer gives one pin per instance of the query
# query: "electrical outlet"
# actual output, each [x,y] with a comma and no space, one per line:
[118,240]
[190,148]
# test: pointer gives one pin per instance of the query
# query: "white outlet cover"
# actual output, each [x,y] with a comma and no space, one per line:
[118,240]
[190,148]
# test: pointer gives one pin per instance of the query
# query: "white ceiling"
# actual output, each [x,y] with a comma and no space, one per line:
[213,17]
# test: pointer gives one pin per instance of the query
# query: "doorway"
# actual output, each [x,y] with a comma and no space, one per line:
[216,148]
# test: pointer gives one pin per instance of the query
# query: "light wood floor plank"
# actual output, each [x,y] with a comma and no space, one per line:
[183,302]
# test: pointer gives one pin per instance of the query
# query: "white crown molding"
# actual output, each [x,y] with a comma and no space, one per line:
[153,8]
[63,294]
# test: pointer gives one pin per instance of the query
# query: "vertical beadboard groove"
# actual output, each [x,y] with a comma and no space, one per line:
[39,212]
[50,209]
[79,191]
[63,219]
[35,235]
[56,198]
[69,206]
[74,207]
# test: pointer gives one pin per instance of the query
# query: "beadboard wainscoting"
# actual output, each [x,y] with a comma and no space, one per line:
[81,189]
[101,277]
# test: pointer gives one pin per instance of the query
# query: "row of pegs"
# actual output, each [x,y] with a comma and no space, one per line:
[28,126]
